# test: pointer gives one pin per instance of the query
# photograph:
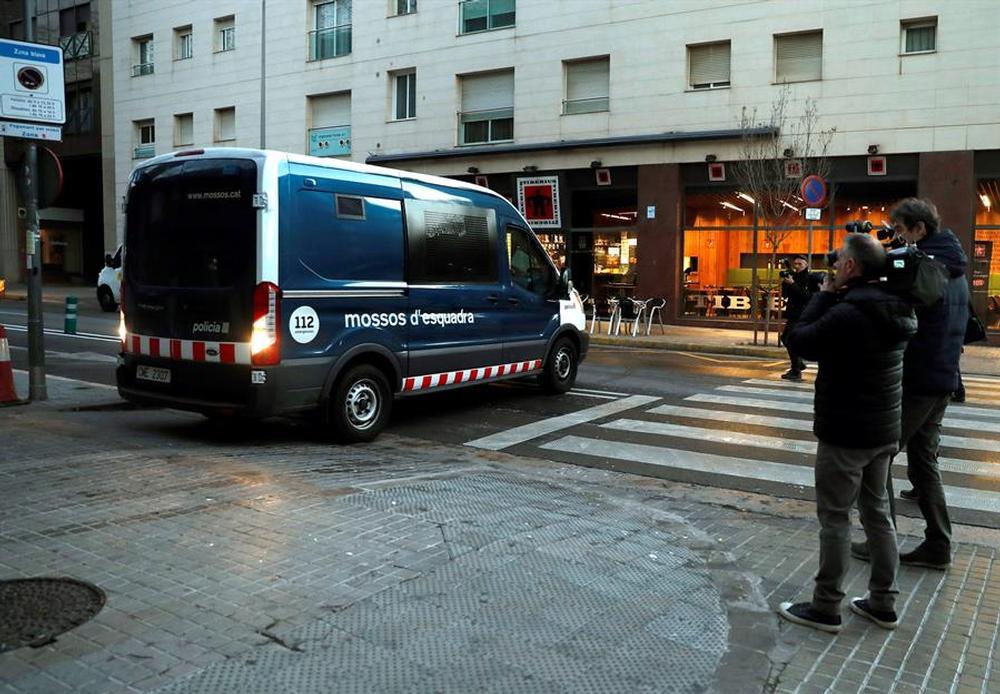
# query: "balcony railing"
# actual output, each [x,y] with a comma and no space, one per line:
[592,104]
[142,69]
[76,46]
[330,43]
[144,151]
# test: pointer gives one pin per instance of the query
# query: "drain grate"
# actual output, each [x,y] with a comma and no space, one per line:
[34,611]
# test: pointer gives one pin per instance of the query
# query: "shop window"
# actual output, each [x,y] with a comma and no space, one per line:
[918,35]
[984,263]
[708,65]
[798,57]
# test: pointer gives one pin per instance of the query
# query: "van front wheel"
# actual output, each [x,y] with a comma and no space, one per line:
[559,374]
[360,404]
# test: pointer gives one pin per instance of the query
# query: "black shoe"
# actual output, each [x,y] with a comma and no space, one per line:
[791,375]
[909,494]
[804,614]
[802,366]
[921,556]
[859,550]
[958,396]
[886,620]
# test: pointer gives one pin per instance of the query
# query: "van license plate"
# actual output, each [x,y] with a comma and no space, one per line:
[152,373]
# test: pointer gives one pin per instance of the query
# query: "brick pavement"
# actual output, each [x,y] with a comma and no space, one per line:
[265,559]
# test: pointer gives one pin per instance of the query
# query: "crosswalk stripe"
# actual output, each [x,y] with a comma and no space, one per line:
[793,385]
[965,467]
[793,406]
[958,497]
[947,440]
[985,380]
[512,437]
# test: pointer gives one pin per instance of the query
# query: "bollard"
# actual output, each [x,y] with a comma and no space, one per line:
[70,325]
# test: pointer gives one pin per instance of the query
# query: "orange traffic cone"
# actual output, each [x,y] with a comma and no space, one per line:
[7,392]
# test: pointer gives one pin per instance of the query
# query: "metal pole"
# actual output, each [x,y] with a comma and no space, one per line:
[36,326]
[263,70]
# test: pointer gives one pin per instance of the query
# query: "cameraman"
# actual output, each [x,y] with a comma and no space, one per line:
[857,332]
[797,286]
[930,376]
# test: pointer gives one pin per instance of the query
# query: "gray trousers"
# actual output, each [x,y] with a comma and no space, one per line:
[922,415]
[845,476]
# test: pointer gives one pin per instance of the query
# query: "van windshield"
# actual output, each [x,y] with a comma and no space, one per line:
[192,224]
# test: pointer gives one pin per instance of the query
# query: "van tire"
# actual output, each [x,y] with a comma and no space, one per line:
[106,299]
[359,404]
[559,373]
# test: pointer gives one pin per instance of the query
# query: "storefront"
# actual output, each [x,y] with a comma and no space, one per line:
[984,260]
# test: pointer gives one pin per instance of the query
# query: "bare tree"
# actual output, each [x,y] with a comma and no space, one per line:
[774,157]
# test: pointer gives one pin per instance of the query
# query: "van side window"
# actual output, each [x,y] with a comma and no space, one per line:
[350,207]
[451,243]
[530,269]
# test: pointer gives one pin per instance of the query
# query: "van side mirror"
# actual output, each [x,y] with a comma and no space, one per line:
[108,260]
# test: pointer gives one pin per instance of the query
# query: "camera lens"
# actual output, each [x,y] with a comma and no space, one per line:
[30,78]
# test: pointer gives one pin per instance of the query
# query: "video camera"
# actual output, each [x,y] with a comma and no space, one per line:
[786,268]
[883,232]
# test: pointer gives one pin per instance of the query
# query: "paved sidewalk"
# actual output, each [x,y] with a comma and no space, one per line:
[266,560]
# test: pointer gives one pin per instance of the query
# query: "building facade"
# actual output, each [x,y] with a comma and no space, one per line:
[613,124]
[72,225]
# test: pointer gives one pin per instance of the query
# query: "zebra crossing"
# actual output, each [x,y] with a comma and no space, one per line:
[754,431]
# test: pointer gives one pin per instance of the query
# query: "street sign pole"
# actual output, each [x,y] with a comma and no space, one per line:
[36,327]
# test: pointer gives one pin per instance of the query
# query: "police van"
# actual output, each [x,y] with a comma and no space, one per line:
[261,283]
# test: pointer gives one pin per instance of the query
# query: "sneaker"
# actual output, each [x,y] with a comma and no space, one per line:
[792,375]
[859,550]
[886,620]
[921,556]
[909,494]
[804,614]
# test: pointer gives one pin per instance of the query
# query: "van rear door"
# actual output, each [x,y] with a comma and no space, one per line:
[190,253]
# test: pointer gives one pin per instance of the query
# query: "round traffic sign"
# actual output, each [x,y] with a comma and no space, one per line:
[813,190]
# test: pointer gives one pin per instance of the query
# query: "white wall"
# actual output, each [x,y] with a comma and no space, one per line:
[947,100]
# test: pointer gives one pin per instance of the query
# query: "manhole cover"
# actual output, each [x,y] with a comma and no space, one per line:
[34,611]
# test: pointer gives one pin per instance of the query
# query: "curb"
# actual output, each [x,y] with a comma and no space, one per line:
[698,347]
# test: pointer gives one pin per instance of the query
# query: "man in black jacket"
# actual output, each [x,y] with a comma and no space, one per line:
[857,332]
[797,286]
[930,376]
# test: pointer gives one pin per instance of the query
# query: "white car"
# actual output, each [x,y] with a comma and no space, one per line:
[109,281]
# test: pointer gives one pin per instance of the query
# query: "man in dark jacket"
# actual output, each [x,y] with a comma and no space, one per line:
[797,286]
[857,332]
[930,376]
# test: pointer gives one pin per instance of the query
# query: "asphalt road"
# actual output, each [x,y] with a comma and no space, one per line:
[716,420]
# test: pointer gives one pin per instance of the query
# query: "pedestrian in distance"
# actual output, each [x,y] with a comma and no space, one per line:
[930,378]
[797,286]
[857,332]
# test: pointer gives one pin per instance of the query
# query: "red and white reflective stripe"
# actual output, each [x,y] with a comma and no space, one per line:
[189,350]
[481,374]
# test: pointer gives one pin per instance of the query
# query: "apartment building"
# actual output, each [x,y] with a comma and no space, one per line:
[72,226]
[613,124]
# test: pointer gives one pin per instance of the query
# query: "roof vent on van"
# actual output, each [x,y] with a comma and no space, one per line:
[190,153]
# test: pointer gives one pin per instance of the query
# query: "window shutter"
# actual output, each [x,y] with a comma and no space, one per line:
[185,129]
[709,64]
[920,38]
[492,91]
[799,57]
[331,109]
[587,79]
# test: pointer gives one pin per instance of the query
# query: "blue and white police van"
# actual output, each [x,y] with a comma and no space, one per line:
[260,283]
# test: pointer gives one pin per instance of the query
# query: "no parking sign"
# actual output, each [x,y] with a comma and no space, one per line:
[813,190]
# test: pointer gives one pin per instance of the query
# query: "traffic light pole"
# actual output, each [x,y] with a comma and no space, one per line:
[36,327]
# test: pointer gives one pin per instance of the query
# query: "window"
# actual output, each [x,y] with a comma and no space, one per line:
[74,32]
[530,267]
[225,124]
[708,65]
[225,34]
[483,15]
[404,96]
[145,139]
[798,57]
[142,49]
[330,125]
[587,85]
[183,129]
[451,243]
[403,6]
[79,108]
[350,207]
[487,108]
[919,35]
[332,35]
[183,43]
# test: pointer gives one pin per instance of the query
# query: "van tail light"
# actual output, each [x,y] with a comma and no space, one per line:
[265,340]
[122,330]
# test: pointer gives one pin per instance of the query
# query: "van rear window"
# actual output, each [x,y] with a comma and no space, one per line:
[192,224]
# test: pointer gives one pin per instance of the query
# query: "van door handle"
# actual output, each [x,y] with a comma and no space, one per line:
[513,301]
[492,298]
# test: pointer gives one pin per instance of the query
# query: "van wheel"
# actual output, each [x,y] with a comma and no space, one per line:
[106,299]
[359,405]
[559,374]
